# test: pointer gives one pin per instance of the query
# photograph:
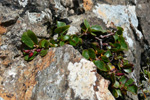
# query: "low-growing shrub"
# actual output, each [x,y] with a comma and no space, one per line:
[104,47]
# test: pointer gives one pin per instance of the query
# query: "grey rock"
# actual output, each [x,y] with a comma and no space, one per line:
[77,20]
[68,79]
[36,15]
[62,74]
[143,15]
[67,3]
[118,2]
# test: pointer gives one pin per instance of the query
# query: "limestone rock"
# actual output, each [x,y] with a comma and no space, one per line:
[63,74]
[19,79]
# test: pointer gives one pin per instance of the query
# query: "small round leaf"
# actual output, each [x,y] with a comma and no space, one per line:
[92,53]
[100,65]
[32,36]
[85,54]
[66,37]
[27,40]
[61,43]
[86,23]
[60,24]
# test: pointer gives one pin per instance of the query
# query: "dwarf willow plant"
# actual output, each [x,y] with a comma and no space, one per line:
[103,47]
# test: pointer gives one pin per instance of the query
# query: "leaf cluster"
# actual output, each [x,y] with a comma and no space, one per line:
[104,47]
[106,52]
[32,47]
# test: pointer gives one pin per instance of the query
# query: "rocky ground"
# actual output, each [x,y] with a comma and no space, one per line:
[53,77]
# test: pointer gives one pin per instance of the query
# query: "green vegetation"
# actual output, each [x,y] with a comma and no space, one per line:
[144,86]
[104,47]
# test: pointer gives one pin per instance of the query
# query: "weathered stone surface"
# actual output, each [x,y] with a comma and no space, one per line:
[143,15]
[124,16]
[62,74]
[118,2]
[18,78]
[77,20]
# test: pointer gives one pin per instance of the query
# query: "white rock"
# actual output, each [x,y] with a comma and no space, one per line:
[120,15]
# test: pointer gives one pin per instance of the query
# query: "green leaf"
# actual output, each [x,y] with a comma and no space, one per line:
[118,92]
[61,43]
[62,29]
[128,70]
[27,40]
[101,51]
[108,53]
[129,82]
[54,45]
[116,36]
[111,67]
[80,40]
[66,37]
[120,30]
[123,80]
[85,54]
[93,34]
[118,57]
[116,84]
[132,89]
[75,39]
[115,93]
[86,23]
[72,43]
[123,43]
[117,45]
[96,28]
[100,65]
[92,53]
[105,59]
[125,62]
[145,72]
[44,43]
[26,57]
[60,24]
[113,78]
[32,36]
[43,52]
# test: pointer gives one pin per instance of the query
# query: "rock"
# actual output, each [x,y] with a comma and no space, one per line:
[17,16]
[88,4]
[124,16]
[62,74]
[118,2]
[144,18]
[77,20]
[143,15]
